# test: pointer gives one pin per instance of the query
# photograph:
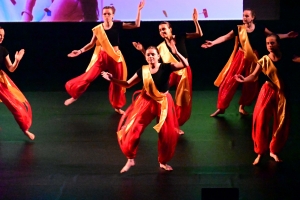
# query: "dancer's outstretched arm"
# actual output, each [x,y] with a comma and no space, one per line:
[251,78]
[291,34]
[183,62]
[126,84]
[138,18]
[87,47]
[219,40]
[13,66]
[198,32]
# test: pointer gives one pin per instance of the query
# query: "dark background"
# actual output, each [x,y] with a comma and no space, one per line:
[46,67]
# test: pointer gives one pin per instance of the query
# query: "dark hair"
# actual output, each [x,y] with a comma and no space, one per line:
[1,27]
[89,9]
[169,25]
[153,47]
[110,7]
[252,12]
[276,37]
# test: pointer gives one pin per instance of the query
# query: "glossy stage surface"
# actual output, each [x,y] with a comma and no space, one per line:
[76,155]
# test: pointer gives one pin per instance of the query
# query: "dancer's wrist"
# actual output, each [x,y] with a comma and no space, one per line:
[27,13]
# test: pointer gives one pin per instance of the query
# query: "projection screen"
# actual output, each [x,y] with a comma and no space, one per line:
[126,10]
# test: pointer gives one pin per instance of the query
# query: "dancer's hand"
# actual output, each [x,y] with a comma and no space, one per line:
[74,53]
[138,46]
[195,15]
[239,78]
[106,75]
[19,54]
[292,34]
[141,5]
[207,44]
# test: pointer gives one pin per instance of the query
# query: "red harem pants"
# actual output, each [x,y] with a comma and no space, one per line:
[146,110]
[183,112]
[20,110]
[266,107]
[77,86]
[229,85]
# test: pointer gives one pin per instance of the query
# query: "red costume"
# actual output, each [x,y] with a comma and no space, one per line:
[103,59]
[149,104]
[182,80]
[271,102]
[241,61]
[15,101]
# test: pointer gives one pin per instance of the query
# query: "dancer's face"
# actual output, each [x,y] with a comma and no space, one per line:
[164,30]
[247,17]
[152,56]
[272,44]
[107,15]
[1,35]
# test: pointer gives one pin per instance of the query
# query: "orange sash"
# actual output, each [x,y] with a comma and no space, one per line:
[248,54]
[182,95]
[150,90]
[269,69]
[103,42]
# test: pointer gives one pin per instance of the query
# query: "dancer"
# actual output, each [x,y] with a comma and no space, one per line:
[153,101]
[249,37]
[107,56]
[181,79]
[10,94]
[273,100]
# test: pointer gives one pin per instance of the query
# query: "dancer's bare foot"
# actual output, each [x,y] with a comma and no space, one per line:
[219,111]
[165,167]
[242,110]
[130,163]
[69,101]
[276,158]
[257,159]
[181,132]
[120,111]
[30,135]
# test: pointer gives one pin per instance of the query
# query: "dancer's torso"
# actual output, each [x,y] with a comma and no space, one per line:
[161,77]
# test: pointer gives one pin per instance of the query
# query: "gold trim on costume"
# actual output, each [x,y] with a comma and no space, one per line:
[131,116]
[248,54]
[269,69]
[103,42]
[151,90]
[14,90]
[182,95]
[225,69]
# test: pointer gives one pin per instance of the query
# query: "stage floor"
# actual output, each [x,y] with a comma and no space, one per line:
[76,155]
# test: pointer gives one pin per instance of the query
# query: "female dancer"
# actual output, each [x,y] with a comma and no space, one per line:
[153,101]
[249,36]
[64,10]
[107,56]
[272,100]
[182,79]
[10,94]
